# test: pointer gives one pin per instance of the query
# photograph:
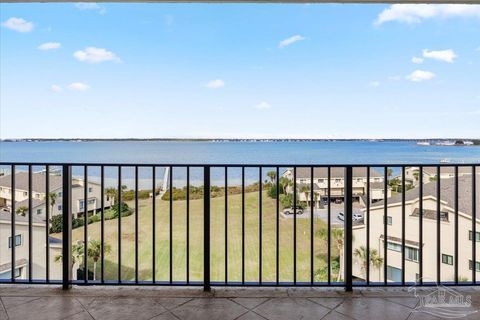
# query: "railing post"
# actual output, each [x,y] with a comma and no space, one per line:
[67,228]
[206,228]
[348,229]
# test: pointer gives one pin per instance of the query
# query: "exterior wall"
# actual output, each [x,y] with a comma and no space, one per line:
[94,197]
[394,258]
[20,195]
[21,251]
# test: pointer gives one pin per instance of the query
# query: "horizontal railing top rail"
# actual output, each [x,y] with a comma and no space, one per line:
[246,165]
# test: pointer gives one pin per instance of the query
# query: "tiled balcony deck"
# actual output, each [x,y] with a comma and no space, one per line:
[37,302]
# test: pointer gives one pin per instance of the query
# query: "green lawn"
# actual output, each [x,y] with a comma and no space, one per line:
[217,242]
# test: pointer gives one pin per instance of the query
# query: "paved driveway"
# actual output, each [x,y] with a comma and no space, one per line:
[323,213]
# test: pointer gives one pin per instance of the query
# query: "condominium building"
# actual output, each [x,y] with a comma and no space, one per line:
[337,183]
[39,193]
[21,244]
[429,233]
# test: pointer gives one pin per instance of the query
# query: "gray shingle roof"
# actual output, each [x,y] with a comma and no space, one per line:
[447,193]
[7,216]
[335,172]
[38,181]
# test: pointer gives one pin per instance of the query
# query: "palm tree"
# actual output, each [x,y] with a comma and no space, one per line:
[94,251]
[285,183]
[111,195]
[389,172]
[336,236]
[272,175]
[22,210]
[305,190]
[77,253]
[375,260]
[53,199]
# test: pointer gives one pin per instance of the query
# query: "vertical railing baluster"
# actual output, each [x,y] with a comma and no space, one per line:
[348,228]
[85,223]
[136,224]
[243,225]
[260,225]
[277,233]
[420,224]
[102,223]
[329,228]
[13,231]
[119,206]
[439,255]
[294,225]
[226,225]
[47,222]
[170,225]
[206,228]
[311,227]
[385,223]
[30,226]
[368,226]
[66,227]
[188,225]
[154,223]
[474,225]
[403,225]
[456,225]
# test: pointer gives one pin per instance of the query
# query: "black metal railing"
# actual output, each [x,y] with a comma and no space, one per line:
[284,191]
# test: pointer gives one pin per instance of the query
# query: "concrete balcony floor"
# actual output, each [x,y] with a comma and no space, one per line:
[167,303]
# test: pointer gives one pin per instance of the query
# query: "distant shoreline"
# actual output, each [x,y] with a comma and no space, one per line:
[476,141]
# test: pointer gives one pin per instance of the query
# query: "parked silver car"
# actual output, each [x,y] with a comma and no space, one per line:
[291,210]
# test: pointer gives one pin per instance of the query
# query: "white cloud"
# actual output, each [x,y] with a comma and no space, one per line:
[374,84]
[263,105]
[55,88]
[291,40]
[417,60]
[18,24]
[95,55]
[420,75]
[78,86]
[441,55]
[395,78]
[416,13]
[90,6]
[49,46]
[215,84]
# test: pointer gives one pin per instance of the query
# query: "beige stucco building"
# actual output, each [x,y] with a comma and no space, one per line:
[337,183]
[429,243]
[39,194]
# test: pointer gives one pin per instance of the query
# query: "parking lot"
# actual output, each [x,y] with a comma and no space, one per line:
[323,213]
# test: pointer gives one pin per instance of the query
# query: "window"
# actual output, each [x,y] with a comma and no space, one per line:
[394,246]
[376,179]
[321,180]
[389,220]
[477,265]
[7,275]
[59,207]
[39,211]
[81,204]
[59,194]
[37,196]
[90,189]
[338,180]
[477,236]
[18,241]
[394,274]
[91,201]
[25,193]
[447,259]
[411,254]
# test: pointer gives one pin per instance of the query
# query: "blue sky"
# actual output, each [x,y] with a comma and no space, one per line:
[239,71]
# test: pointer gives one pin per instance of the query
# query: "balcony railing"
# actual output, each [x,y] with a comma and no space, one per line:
[332,237]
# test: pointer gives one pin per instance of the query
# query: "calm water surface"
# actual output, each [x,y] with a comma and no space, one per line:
[159,152]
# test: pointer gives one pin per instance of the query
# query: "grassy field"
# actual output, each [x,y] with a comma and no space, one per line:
[234,242]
